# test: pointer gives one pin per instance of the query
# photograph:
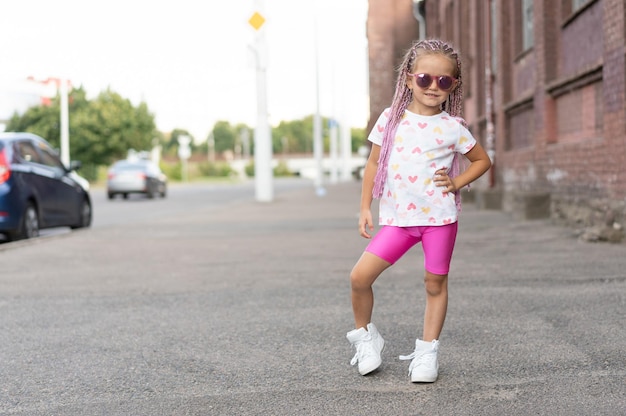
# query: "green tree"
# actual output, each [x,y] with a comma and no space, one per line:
[45,121]
[296,135]
[170,145]
[358,138]
[101,130]
[224,135]
[110,127]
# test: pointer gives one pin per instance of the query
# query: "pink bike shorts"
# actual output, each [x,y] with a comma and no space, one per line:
[391,243]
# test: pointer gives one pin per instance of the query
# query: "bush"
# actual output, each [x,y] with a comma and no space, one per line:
[249,169]
[173,171]
[280,170]
[220,169]
[89,171]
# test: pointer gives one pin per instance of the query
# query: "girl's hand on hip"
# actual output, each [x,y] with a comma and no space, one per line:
[442,180]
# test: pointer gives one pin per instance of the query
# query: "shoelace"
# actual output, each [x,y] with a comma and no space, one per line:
[419,357]
[363,349]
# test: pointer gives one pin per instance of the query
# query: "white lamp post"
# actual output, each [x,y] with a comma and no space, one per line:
[263,174]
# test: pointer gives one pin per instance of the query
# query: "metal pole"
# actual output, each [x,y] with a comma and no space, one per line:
[334,168]
[490,140]
[346,150]
[65,122]
[418,7]
[211,148]
[263,174]
[184,152]
[317,125]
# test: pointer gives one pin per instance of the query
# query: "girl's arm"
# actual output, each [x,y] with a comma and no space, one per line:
[365,217]
[480,163]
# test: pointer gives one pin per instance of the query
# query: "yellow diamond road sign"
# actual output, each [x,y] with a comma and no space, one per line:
[256,21]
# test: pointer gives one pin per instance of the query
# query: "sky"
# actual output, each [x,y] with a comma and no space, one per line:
[194,62]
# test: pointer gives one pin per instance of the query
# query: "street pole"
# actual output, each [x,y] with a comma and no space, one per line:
[245,142]
[65,122]
[263,174]
[210,145]
[184,152]
[334,168]
[318,149]
[490,145]
[346,150]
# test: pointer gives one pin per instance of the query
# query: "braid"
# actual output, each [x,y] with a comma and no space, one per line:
[403,96]
[453,105]
[401,100]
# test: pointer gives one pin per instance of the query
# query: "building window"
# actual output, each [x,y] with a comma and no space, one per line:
[571,8]
[527,24]
[520,126]
[577,4]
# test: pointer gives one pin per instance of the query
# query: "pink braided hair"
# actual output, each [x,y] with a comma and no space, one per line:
[403,97]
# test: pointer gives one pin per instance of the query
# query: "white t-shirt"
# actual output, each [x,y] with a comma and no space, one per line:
[422,145]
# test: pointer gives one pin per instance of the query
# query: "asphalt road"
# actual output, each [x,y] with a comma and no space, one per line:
[197,305]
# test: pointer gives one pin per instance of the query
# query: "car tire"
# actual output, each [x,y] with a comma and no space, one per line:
[85,215]
[111,195]
[29,226]
[150,191]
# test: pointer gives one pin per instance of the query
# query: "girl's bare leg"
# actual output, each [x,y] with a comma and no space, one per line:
[362,277]
[436,305]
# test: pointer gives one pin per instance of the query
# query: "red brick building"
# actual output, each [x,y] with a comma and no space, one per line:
[545,91]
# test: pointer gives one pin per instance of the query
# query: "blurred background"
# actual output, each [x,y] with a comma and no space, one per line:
[544,83]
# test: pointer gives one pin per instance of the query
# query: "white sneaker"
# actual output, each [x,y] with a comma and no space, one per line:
[369,344]
[424,367]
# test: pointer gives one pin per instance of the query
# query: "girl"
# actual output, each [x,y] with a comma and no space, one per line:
[413,170]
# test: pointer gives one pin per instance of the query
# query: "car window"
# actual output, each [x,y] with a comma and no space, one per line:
[127,166]
[152,168]
[27,151]
[49,157]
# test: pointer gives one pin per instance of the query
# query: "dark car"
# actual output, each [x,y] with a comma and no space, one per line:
[136,176]
[37,190]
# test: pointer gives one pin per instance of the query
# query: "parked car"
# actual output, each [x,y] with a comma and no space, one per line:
[136,176]
[37,190]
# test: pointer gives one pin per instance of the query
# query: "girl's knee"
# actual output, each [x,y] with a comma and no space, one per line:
[359,280]
[435,284]
[366,271]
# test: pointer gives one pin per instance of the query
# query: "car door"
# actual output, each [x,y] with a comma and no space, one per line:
[34,178]
[67,193]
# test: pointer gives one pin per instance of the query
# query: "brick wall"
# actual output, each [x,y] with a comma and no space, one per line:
[391,28]
[559,106]
[579,47]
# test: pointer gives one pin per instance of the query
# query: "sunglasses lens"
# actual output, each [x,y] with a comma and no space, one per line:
[445,82]
[423,80]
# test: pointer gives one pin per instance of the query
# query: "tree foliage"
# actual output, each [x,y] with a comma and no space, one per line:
[224,135]
[104,129]
[296,136]
[100,130]
[170,143]
[291,137]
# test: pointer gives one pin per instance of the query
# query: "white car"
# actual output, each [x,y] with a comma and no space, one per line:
[136,177]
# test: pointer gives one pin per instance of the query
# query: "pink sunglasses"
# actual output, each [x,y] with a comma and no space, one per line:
[444,82]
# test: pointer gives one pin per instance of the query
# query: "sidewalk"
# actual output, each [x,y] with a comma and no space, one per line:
[243,310]
[535,321]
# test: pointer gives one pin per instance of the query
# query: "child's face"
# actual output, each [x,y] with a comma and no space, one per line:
[427,100]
